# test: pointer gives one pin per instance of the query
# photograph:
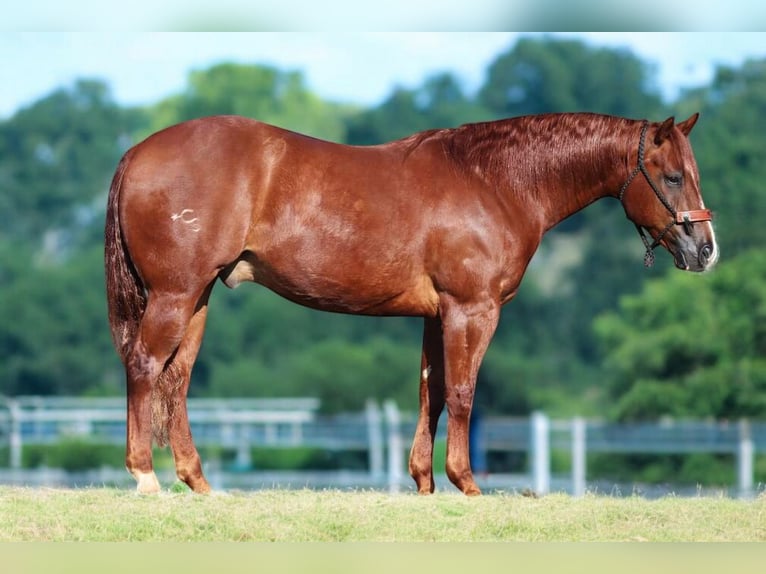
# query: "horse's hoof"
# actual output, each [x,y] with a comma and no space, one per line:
[196,482]
[202,488]
[147,482]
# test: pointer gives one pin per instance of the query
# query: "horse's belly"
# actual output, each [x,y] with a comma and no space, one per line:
[345,290]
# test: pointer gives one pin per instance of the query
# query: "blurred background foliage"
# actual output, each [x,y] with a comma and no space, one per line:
[591,332]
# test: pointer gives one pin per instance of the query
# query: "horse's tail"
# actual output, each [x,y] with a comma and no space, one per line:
[125,294]
[126,300]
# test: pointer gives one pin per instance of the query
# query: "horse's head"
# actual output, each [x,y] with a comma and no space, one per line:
[667,201]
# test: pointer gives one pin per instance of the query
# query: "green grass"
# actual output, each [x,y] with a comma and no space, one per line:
[99,514]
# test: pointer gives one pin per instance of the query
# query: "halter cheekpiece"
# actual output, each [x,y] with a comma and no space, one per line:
[685,218]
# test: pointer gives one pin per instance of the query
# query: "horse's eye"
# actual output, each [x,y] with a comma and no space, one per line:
[674,179]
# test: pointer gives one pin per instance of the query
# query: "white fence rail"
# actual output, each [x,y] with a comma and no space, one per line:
[383,433]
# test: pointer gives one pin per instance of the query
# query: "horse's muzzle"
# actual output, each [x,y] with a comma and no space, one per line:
[706,257]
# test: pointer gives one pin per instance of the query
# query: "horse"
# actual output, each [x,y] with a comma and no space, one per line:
[440,225]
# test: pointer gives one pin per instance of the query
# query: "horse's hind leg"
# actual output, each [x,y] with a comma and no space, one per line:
[187,460]
[162,328]
[431,405]
[142,372]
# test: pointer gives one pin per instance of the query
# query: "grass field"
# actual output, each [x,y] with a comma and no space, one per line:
[100,514]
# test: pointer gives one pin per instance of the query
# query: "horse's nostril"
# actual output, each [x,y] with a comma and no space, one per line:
[705,254]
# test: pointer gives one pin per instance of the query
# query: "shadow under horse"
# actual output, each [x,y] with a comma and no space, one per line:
[441,224]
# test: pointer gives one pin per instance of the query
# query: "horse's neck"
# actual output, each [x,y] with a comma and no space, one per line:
[579,177]
[554,166]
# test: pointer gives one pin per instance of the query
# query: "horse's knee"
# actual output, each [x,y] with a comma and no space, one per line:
[459,401]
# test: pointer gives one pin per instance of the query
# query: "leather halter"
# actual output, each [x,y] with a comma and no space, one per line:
[685,218]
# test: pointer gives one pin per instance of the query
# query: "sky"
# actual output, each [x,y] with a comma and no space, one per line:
[363,68]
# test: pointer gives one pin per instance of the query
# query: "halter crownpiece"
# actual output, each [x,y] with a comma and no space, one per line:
[685,218]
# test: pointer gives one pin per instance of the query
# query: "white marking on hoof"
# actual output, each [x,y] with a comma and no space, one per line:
[426,372]
[147,482]
[193,222]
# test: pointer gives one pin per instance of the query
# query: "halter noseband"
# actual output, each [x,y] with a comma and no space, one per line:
[685,218]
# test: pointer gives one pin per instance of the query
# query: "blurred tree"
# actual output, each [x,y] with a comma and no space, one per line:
[54,337]
[258,344]
[545,75]
[439,103]
[610,267]
[691,346]
[259,92]
[343,373]
[56,160]
[732,158]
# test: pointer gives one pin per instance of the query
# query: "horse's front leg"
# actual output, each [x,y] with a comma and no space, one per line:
[467,331]
[431,405]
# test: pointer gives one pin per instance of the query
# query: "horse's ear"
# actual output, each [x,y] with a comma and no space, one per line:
[664,130]
[687,125]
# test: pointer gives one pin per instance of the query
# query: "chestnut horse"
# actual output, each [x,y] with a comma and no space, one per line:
[441,224]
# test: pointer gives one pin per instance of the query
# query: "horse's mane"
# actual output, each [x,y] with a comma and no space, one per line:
[414,141]
[533,149]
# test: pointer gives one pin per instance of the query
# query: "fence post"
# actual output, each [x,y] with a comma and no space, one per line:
[745,456]
[244,459]
[375,438]
[15,439]
[395,458]
[541,455]
[578,456]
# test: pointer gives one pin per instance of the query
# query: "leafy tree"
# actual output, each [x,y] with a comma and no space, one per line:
[439,103]
[258,344]
[259,92]
[690,346]
[54,337]
[611,267]
[56,160]
[730,152]
[345,374]
[544,75]
[342,373]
